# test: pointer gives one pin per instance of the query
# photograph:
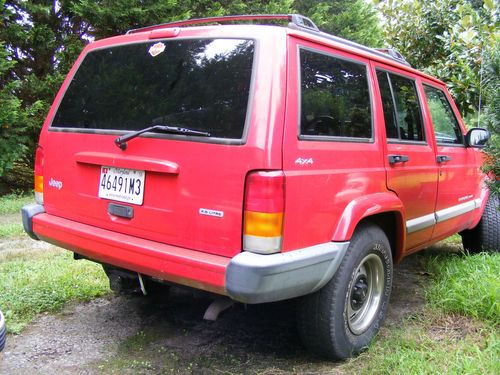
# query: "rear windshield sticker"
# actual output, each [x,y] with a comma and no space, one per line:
[156,49]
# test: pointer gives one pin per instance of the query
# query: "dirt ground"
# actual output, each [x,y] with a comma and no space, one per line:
[145,335]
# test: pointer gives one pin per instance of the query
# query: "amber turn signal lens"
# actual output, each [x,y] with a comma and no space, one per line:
[263,224]
[38,184]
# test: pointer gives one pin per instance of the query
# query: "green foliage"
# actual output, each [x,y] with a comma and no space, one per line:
[43,38]
[445,38]
[34,282]
[466,285]
[491,116]
[355,20]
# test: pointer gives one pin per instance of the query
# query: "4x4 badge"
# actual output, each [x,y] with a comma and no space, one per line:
[302,161]
[156,49]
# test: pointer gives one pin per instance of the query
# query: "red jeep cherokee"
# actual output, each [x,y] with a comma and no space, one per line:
[261,163]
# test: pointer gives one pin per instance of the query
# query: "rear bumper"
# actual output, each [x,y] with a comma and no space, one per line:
[256,278]
[248,277]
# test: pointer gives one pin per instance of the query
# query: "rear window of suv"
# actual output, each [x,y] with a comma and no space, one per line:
[197,84]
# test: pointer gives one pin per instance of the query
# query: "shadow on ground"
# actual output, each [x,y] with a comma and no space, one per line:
[168,335]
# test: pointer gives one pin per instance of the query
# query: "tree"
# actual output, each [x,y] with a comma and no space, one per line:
[444,38]
[42,39]
[355,20]
[457,41]
[491,117]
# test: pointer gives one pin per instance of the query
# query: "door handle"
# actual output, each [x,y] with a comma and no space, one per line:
[393,159]
[443,158]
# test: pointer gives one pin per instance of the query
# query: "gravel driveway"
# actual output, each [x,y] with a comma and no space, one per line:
[144,335]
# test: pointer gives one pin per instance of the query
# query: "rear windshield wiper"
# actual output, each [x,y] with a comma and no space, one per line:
[122,141]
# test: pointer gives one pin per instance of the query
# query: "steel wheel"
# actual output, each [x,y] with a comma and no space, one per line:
[365,294]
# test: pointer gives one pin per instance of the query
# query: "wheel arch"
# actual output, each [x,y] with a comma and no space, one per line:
[382,209]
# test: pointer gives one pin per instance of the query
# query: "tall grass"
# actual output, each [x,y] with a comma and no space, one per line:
[466,284]
[34,282]
[12,203]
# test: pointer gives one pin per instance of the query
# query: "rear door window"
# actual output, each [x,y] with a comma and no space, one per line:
[402,111]
[202,85]
[335,97]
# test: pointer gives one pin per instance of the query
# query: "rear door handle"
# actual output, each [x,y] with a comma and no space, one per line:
[443,158]
[393,159]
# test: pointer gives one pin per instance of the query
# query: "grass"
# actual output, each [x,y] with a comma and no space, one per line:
[11,230]
[12,203]
[458,331]
[435,344]
[33,282]
[466,284]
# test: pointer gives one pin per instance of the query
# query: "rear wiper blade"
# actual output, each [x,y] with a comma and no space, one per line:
[121,142]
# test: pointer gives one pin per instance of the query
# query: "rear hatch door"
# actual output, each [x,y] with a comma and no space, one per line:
[182,186]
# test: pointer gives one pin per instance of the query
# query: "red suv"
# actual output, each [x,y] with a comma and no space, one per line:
[261,163]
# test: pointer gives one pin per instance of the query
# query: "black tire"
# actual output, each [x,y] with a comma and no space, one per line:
[127,283]
[323,321]
[3,332]
[486,235]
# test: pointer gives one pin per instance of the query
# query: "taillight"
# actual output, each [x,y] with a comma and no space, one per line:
[39,159]
[264,209]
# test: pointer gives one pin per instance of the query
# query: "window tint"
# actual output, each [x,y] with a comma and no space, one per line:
[198,84]
[402,113]
[446,128]
[335,97]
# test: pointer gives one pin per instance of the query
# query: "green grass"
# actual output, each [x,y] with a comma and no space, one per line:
[11,230]
[466,284]
[431,346]
[39,281]
[12,203]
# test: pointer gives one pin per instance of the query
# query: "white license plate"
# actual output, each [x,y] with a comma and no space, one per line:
[123,185]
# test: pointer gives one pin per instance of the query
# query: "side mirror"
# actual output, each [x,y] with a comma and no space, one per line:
[477,137]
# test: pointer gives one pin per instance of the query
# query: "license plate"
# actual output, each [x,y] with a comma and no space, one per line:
[123,185]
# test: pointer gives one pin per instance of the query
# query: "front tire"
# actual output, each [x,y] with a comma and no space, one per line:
[342,318]
[486,235]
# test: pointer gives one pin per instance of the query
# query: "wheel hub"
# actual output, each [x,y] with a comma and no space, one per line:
[365,295]
[359,293]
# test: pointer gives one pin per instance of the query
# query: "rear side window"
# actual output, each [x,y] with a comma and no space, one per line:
[402,112]
[198,84]
[335,97]
[446,128]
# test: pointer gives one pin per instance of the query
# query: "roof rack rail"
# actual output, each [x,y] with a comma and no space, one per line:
[295,19]
[394,54]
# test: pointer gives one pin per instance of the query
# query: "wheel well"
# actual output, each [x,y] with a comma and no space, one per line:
[391,224]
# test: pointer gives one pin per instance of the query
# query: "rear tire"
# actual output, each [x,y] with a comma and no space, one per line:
[342,318]
[486,235]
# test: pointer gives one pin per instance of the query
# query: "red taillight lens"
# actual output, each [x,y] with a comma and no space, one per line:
[264,208]
[39,160]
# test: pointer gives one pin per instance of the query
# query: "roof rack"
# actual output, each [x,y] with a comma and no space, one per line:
[295,19]
[394,53]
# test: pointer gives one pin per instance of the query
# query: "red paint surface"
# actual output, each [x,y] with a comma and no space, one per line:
[324,200]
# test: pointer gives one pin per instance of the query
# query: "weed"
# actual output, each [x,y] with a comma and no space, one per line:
[416,349]
[467,285]
[45,283]
[12,203]
[10,230]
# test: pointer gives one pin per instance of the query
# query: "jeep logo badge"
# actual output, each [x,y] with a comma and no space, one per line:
[55,184]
